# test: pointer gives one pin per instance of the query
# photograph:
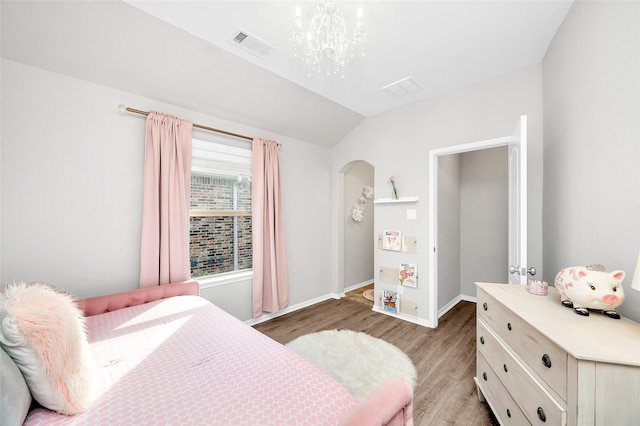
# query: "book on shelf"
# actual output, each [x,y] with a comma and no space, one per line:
[392,240]
[408,274]
[391,301]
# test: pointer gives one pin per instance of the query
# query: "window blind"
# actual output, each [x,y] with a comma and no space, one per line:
[216,159]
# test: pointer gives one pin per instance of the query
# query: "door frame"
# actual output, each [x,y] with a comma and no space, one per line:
[433,209]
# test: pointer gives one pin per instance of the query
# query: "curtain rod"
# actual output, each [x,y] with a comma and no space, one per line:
[124,108]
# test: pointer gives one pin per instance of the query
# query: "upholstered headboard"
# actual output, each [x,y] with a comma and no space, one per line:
[112,302]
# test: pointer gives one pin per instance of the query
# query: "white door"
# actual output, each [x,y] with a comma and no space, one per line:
[517,250]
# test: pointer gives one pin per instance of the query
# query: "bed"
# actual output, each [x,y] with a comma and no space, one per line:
[167,356]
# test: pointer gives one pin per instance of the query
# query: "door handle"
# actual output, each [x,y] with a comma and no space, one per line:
[522,271]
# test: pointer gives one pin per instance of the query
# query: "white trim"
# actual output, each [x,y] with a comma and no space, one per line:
[459,298]
[433,238]
[224,279]
[292,308]
[454,302]
[433,218]
[466,298]
[357,286]
[298,306]
[446,308]
[405,317]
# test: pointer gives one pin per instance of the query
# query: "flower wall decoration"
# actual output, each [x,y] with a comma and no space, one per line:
[357,211]
[367,191]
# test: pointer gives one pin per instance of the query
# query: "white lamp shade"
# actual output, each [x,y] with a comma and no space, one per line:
[635,282]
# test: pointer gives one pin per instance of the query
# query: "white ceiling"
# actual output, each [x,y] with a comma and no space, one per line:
[442,45]
[181,53]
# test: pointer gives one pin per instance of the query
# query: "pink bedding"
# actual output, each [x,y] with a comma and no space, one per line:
[168,360]
[183,360]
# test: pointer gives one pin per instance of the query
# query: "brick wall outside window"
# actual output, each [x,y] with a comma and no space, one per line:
[211,238]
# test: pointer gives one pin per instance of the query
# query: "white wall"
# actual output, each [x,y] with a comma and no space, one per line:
[592,142]
[397,143]
[358,236]
[71,177]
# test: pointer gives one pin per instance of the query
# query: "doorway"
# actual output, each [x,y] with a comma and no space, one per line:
[472,229]
[357,226]
[516,220]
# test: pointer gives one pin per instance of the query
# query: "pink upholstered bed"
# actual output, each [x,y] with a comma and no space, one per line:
[167,356]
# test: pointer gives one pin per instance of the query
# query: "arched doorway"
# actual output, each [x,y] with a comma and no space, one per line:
[356,265]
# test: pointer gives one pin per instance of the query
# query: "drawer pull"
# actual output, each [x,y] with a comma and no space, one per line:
[541,414]
[506,370]
[508,413]
[509,326]
[484,306]
[482,339]
[546,360]
[484,376]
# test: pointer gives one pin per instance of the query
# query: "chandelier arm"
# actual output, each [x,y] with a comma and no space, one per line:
[325,45]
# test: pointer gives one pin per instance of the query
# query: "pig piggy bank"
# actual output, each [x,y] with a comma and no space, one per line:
[590,287]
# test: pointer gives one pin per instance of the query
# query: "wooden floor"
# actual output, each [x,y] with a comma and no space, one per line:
[358,296]
[444,357]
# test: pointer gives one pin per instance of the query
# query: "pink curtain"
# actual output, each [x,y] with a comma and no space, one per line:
[165,210]
[270,277]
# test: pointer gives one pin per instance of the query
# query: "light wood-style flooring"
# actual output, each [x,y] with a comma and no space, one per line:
[444,357]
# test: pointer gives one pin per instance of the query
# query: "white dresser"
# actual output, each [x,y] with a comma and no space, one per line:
[540,363]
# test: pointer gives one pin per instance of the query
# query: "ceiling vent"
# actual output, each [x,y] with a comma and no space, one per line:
[406,86]
[253,44]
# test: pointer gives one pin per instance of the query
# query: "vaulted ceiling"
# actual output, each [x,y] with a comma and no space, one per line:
[182,53]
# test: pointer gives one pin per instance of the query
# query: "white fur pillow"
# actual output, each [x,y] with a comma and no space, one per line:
[43,331]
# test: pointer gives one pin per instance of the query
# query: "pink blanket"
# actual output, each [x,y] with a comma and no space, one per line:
[165,360]
[183,360]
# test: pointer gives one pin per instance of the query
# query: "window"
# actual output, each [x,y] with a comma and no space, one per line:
[220,216]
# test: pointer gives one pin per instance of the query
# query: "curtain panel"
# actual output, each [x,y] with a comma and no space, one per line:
[270,276]
[165,211]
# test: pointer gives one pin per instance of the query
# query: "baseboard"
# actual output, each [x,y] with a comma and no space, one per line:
[469,298]
[446,308]
[404,317]
[357,286]
[409,318]
[292,308]
[459,298]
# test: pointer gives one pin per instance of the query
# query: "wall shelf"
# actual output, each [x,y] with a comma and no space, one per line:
[399,200]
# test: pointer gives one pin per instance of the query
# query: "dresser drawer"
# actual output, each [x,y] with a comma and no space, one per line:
[543,356]
[504,407]
[535,402]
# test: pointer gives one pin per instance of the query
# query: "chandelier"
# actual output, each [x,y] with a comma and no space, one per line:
[324,45]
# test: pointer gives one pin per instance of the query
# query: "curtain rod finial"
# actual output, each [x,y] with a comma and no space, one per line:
[122,108]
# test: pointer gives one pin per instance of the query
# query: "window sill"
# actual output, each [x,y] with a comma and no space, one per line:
[224,279]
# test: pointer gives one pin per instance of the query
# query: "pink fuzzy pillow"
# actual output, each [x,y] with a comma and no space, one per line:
[43,331]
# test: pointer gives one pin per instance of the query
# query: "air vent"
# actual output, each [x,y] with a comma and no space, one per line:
[253,44]
[403,87]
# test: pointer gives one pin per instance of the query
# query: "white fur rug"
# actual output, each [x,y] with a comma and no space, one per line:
[359,361]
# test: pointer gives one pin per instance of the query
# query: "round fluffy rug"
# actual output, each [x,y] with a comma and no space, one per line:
[369,294]
[359,361]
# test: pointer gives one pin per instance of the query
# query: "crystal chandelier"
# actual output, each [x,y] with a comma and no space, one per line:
[324,45]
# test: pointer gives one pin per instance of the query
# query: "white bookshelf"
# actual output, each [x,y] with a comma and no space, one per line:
[396,201]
